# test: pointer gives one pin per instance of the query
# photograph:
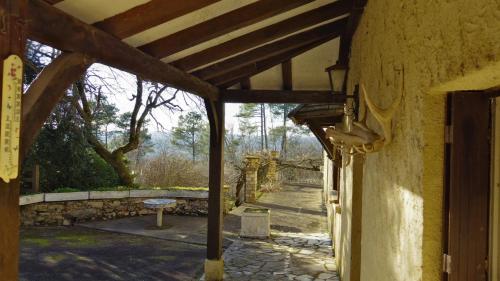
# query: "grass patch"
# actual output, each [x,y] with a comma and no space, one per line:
[65,190]
[174,188]
[42,242]
[112,188]
[78,239]
[126,188]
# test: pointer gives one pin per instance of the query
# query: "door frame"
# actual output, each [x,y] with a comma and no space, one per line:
[467,187]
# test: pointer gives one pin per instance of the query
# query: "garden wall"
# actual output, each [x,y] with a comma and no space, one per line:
[74,207]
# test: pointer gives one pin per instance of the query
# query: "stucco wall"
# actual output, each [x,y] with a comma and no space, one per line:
[425,48]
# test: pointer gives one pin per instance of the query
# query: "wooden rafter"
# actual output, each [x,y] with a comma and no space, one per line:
[148,15]
[271,49]
[286,74]
[280,96]
[53,27]
[218,26]
[246,84]
[263,35]
[47,90]
[320,134]
[357,7]
[228,79]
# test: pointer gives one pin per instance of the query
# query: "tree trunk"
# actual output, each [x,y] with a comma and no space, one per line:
[124,175]
[283,139]
[264,122]
[193,144]
[116,160]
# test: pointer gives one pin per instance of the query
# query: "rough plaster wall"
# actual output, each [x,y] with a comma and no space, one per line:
[434,44]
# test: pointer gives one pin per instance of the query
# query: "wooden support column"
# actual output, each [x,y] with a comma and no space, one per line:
[356,216]
[12,42]
[214,265]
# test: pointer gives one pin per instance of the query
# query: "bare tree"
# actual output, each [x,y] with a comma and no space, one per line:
[88,100]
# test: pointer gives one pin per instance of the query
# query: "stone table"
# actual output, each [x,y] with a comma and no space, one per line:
[159,205]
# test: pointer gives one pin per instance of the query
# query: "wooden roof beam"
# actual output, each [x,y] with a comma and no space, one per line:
[356,10]
[286,74]
[271,49]
[280,96]
[320,134]
[150,14]
[53,27]
[246,84]
[46,91]
[228,79]
[218,26]
[264,35]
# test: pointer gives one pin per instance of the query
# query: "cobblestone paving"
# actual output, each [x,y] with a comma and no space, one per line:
[287,256]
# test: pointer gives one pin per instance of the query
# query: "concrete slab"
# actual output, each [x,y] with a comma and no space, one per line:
[175,228]
[184,229]
[109,194]
[31,199]
[84,254]
[67,196]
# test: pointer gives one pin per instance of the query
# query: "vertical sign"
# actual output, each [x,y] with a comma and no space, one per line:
[10,125]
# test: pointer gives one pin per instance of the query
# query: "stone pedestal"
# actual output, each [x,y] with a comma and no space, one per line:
[272,170]
[251,178]
[256,223]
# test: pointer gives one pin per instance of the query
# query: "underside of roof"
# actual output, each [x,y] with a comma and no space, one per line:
[238,44]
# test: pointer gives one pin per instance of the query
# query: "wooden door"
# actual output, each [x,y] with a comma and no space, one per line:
[468,182]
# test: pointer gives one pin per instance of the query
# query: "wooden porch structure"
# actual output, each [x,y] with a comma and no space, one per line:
[251,51]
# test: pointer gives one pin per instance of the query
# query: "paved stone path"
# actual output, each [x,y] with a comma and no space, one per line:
[287,256]
[299,248]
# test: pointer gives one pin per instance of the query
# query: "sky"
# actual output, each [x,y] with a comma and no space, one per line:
[120,93]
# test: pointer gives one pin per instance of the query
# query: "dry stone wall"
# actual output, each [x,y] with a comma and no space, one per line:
[75,211]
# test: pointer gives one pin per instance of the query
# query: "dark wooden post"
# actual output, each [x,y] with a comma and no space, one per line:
[214,265]
[12,42]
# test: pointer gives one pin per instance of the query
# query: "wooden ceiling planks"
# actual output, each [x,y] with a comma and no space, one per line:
[229,79]
[264,35]
[271,49]
[240,67]
[218,26]
[148,15]
[53,27]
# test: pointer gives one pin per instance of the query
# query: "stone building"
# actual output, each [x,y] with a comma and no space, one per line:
[402,212]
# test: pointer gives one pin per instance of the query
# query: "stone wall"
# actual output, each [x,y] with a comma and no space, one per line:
[423,49]
[69,212]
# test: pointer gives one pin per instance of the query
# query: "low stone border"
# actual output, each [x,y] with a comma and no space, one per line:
[74,207]
[86,195]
